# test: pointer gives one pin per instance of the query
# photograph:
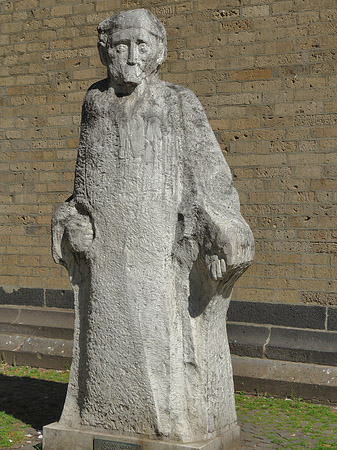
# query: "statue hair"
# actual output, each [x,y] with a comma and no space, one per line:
[118,22]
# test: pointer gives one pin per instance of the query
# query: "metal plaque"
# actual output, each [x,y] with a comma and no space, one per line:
[103,444]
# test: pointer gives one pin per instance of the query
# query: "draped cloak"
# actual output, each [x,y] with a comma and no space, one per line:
[150,354]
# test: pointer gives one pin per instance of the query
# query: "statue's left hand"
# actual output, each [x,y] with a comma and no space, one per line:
[216,267]
[231,253]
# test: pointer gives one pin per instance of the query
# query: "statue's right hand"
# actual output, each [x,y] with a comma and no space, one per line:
[80,233]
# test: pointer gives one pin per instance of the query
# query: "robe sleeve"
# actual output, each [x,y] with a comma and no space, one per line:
[80,170]
[220,227]
[75,204]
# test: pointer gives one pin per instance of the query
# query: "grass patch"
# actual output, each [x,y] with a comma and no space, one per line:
[59,376]
[290,423]
[11,430]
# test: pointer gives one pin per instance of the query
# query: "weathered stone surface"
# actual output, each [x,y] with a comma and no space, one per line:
[60,436]
[153,241]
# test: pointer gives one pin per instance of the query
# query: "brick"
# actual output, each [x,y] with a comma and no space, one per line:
[184,7]
[279,47]
[282,7]
[243,37]
[268,134]
[233,62]
[57,283]
[257,160]
[235,25]
[244,123]
[221,14]
[311,4]
[275,60]
[56,23]
[253,294]
[251,74]
[84,74]
[200,5]
[204,64]
[255,11]
[61,10]
[323,132]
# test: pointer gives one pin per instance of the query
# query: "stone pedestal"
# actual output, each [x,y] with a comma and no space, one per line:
[61,437]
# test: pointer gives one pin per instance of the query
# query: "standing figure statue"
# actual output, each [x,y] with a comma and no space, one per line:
[153,241]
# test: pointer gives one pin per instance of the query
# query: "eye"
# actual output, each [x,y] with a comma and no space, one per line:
[120,48]
[142,47]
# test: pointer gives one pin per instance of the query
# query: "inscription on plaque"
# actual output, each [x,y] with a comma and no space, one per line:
[103,444]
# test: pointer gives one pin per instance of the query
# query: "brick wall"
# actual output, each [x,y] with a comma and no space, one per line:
[265,72]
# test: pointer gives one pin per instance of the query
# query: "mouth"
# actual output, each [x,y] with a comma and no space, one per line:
[134,71]
[128,74]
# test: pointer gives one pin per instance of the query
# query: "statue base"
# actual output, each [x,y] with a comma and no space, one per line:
[61,437]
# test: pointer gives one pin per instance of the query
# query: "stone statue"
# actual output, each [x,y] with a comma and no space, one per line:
[153,241]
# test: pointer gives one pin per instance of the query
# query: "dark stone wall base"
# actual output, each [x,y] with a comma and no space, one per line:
[284,344]
[37,337]
[297,333]
[265,340]
[50,298]
[285,379]
[40,359]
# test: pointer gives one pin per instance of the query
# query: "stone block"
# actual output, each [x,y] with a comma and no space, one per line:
[35,351]
[61,437]
[56,298]
[332,319]
[297,316]
[245,340]
[22,296]
[37,331]
[285,379]
[302,346]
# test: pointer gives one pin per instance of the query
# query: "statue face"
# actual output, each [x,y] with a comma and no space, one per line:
[132,55]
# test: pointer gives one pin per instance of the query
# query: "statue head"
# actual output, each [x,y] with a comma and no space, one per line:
[132,44]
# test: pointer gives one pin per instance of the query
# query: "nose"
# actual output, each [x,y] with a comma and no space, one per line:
[132,54]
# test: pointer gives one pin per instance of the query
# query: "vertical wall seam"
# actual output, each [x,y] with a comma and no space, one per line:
[266,343]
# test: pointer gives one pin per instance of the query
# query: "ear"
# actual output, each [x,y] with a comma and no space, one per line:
[102,50]
[162,53]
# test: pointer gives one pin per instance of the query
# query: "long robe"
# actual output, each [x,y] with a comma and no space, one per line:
[150,356]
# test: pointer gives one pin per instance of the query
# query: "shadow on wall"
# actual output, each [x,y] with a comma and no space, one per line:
[36,402]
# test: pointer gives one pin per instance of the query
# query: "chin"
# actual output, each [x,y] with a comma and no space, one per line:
[126,78]
[131,80]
